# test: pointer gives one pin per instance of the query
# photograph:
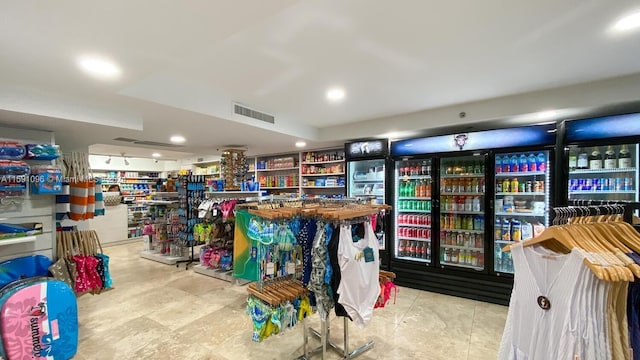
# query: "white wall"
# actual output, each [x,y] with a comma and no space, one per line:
[112,227]
[604,92]
[97,163]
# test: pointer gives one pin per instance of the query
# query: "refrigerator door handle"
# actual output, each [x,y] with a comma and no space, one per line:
[491,204]
[436,203]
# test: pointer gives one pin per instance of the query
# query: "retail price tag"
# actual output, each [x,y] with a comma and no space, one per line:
[368,254]
[214,212]
[271,268]
[291,268]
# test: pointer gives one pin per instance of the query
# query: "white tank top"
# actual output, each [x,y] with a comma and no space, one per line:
[550,306]
[359,286]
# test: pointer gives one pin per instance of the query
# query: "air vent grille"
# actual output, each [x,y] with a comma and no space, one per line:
[155,143]
[245,111]
[125,139]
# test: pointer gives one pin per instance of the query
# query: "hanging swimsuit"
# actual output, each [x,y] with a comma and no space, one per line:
[305,235]
[304,309]
[259,313]
[324,301]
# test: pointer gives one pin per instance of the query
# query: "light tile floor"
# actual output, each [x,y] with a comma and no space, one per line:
[160,312]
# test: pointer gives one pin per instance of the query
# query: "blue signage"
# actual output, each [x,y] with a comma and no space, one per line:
[502,138]
[604,127]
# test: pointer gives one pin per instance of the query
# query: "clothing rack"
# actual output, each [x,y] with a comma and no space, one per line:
[628,208]
[332,211]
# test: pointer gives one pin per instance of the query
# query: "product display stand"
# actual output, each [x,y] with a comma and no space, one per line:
[350,212]
[191,193]
[226,275]
[163,246]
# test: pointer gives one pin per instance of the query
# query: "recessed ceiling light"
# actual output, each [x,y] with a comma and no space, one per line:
[627,23]
[99,67]
[548,114]
[156,154]
[178,139]
[301,144]
[335,94]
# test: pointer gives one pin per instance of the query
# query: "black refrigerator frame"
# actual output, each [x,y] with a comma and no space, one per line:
[378,149]
[485,285]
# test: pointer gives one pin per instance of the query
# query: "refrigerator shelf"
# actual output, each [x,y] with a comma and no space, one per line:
[519,214]
[414,259]
[324,187]
[462,212]
[462,193]
[462,176]
[505,242]
[465,231]
[368,180]
[415,211]
[414,225]
[592,192]
[412,238]
[325,174]
[520,173]
[413,198]
[414,177]
[479,268]
[600,171]
[520,193]
[462,247]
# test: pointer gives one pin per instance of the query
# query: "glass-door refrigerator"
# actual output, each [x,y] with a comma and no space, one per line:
[447,215]
[522,200]
[602,158]
[366,168]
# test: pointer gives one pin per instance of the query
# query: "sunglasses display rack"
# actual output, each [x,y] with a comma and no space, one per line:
[191,191]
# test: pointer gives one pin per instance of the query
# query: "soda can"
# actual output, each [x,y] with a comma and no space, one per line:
[588,184]
[401,219]
[595,186]
[604,184]
[528,186]
[427,233]
[627,184]
[618,184]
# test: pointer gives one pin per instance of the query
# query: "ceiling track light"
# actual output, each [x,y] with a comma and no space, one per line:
[108,161]
[126,162]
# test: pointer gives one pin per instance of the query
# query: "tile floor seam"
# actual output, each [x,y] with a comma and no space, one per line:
[473,321]
[405,313]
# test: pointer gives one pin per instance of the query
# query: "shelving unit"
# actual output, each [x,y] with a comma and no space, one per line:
[278,173]
[323,173]
[163,246]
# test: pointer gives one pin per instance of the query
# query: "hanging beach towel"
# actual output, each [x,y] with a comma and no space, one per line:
[82,187]
[99,207]
[63,206]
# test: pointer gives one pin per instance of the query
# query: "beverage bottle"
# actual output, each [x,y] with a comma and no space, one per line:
[477,168]
[455,183]
[428,188]
[583,159]
[420,250]
[476,204]
[595,159]
[468,185]
[461,203]
[402,191]
[610,161]
[541,162]
[515,185]
[412,189]
[474,186]
[457,222]
[523,163]
[506,185]
[445,203]
[401,248]
[498,164]
[428,251]
[514,163]
[423,168]
[468,204]
[412,249]
[573,159]
[470,167]
[624,157]
[505,164]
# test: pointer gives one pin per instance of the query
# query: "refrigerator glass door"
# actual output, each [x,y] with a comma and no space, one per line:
[603,172]
[366,181]
[462,213]
[412,223]
[522,201]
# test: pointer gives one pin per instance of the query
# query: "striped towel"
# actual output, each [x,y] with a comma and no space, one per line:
[79,199]
[63,205]
[91,200]
[99,207]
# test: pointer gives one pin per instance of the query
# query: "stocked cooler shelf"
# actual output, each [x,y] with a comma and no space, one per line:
[479,268]
[375,181]
[520,194]
[331,174]
[600,171]
[463,193]
[592,192]
[465,231]
[462,176]
[505,241]
[413,238]
[415,211]
[281,169]
[414,225]
[414,259]
[415,177]
[462,212]
[463,247]
[520,173]
[413,198]
[519,214]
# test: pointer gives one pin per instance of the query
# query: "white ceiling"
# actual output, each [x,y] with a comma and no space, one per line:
[185,62]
